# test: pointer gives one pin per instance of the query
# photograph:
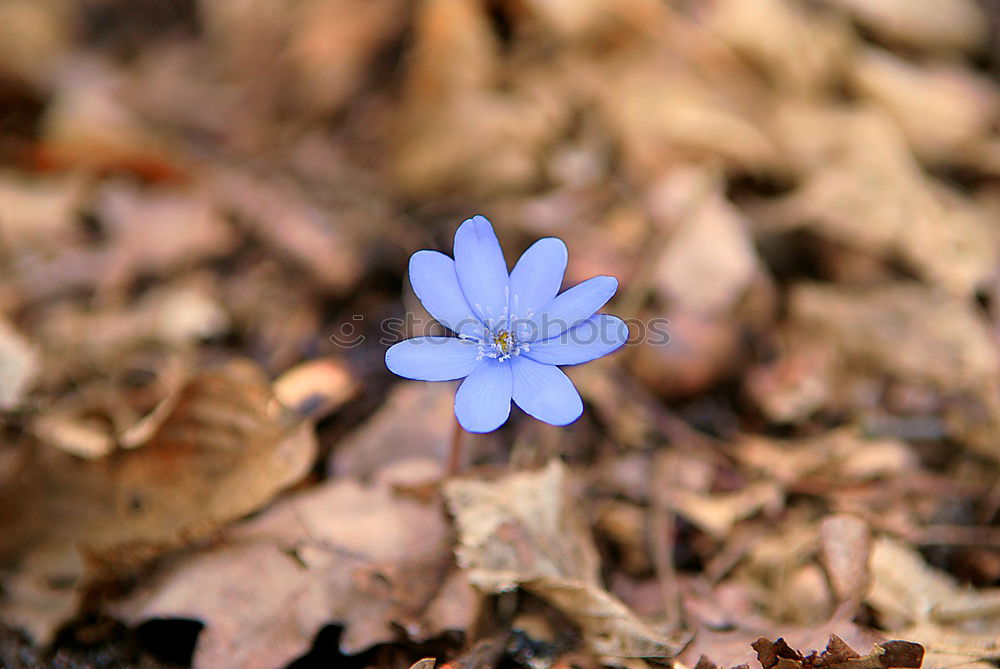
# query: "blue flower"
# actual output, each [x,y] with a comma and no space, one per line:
[513,329]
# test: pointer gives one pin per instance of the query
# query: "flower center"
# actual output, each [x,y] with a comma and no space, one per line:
[502,337]
[500,344]
[503,341]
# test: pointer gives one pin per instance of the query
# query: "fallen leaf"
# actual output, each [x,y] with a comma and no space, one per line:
[906,590]
[224,448]
[220,448]
[416,420]
[522,531]
[716,514]
[317,387]
[945,25]
[298,228]
[943,109]
[903,329]
[838,655]
[710,259]
[845,549]
[275,581]
[864,189]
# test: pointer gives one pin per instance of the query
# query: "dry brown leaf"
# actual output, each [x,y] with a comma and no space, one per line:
[843,455]
[317,387]
[926,24]
[733,648]
[458,127]
[903,329]
[169,317]
[943,109]
[716,514]
[35,36]
[332,44]
[797,383]
[156,230]
[38,214]
[906,590]
[295,226]
[804,51]
[702,349]
[218,449]
[864,189]
[845,549]
[88,124]
[523,531]
[838,655]
[590,21]
[426,663]
[310,561]
[416,420]
[948,647]
[666,117]
[710,260]
[223,447]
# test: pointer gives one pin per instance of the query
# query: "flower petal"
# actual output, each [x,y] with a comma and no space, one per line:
[434,280]
[537,276]
[482,403]
[573,306]
[432,358]
[598,335]
[482,271]
[545,392]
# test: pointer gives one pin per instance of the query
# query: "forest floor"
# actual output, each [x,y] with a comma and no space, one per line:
[206,213]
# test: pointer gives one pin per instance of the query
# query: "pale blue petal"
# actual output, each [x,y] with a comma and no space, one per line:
[482,403]
[434,280]
[598,335]
[482,271]
[432,358]
[537,276]
[573,306]
[545,392]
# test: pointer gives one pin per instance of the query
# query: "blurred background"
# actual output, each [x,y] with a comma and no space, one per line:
[808,191]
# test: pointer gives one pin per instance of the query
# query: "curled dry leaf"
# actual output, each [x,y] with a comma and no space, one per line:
[716,514]
[524,531]
[218,449]
[838,655]
[905,590]
[312,560]
[316,387]
[426,663]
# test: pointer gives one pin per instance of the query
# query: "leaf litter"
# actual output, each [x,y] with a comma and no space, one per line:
[205,215]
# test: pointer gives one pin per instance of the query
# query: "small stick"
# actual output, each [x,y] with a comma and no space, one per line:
[455,455]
